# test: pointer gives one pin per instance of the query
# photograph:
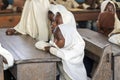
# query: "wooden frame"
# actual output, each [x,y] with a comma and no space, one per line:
[30,63]
[100,51]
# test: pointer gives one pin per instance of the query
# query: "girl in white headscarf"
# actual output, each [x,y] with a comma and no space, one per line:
[34,20]
[68,16]
[114,35]
[69,46]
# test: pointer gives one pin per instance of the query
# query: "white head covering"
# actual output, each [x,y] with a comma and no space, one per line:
[53,8]
[72,53]
[67,16]
[117,22]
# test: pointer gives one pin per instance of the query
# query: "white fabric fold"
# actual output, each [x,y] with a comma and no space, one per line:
[8,56]
[41,45]
[34,19]
[72,53]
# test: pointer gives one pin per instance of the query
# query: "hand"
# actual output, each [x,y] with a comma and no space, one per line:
[47,48]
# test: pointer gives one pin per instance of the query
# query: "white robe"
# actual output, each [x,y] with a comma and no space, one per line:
[34,19]
[72,53]
[8,56]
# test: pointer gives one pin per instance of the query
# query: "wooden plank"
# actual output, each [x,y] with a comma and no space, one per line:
[9,20]
[116,67]
[30,63]
[23,48]
[85,15]
[95,42]
[35,71]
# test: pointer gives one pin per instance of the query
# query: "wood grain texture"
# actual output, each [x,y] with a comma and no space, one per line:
[1,68]
[30,63]
[9,20]
[100,51]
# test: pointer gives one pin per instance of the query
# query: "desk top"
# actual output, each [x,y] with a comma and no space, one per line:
[23,49]
[99,39]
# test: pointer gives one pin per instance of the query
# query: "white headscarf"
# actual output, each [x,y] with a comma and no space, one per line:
[53,8]
[117,22]
[72,53]
[67,16]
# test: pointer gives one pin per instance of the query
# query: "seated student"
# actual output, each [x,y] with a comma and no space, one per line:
[112,24]
[106,18]
[69,46]
[33,20]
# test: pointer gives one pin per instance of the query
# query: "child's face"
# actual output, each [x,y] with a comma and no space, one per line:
[110,7]
[50,16]
[57,21]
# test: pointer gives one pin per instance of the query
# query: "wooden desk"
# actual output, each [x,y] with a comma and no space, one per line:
[99,51]
[85,15]
[30,63]
[9,20]
[93,38]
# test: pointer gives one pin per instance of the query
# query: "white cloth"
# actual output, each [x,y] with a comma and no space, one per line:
[72,53]
[8,56]
[53,8]
[34,19]
[41,45]
[67,16]
[116,37]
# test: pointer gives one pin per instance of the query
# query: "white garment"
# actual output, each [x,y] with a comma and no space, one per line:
[8,56]
[34,19]
[41,45]
[116,37]
[72,53]
[67,16]
[53,8]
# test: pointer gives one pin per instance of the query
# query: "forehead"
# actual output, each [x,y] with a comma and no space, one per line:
[110,4]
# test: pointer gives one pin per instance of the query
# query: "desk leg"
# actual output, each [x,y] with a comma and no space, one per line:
[35,71]
[116,67]
[1,69]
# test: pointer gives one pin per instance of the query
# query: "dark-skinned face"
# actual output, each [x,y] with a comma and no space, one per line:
[50,16]
[57,21]
[110,7]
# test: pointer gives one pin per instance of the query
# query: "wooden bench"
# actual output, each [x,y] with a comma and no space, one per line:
[116,61]
[30,63]
[85,15]
[1,68]
[99,50]
[9,20]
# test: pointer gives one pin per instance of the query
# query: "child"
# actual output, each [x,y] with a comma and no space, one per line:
[106,18]
[69,46]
